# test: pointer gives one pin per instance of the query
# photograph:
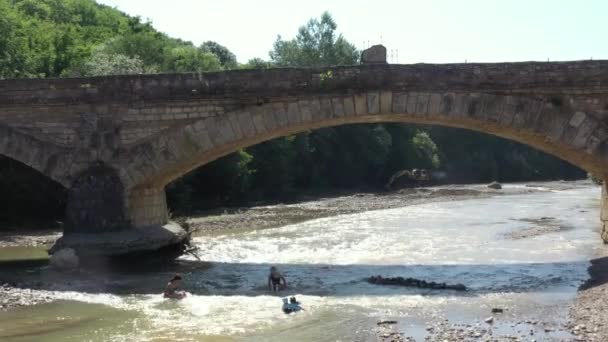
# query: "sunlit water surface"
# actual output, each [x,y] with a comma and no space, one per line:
[325,262]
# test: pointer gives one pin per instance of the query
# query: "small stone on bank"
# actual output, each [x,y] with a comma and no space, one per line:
[64,259]
[386,322]
[495,186]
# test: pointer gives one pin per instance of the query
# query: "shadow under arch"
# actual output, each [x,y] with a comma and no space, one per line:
[28,195]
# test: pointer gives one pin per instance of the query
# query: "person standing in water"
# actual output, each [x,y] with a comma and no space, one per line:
[274,280]
[172,290]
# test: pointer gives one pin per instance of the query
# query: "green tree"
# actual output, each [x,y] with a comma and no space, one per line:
[103,63]
[227,59]
[187,58]
[316,44]
[425,150]
[148,46]
[13,60]
[257,63]
[224,181]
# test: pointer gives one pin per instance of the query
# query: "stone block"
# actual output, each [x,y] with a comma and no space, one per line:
[236,127]
[361,104]
[337,104]
[595,140]
[220,130]
[434,104]
[604,204]
[374,55]
[258,120]
[412,101]
[315,109]
[386,102]
[399,103]
[460,107]
[326,110]
[293,113]
[246,124]
[373,103]
[269,119]
[305,113]
[349,106]
[577,119]
[472,106]
[280,114]
[584,132]
[492,107]
[532,111]
[508,112]
[422,104]
[554,124]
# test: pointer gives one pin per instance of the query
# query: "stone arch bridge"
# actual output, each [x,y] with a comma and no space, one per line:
[116,141]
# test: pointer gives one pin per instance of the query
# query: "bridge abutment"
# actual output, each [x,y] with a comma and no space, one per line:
[105,219]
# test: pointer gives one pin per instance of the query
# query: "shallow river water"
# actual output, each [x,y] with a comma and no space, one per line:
[524,253]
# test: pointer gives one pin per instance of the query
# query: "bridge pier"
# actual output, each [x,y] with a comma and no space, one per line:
[105,219]
[147,207]
[604,212]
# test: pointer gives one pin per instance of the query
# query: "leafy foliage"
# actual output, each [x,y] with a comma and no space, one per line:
[227,59]
[104,63]
[316,44]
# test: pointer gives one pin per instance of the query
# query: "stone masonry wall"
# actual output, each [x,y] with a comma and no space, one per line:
[95,202]
[147,207]
[132,108]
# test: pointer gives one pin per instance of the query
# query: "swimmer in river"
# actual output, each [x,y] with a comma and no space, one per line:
[172,290]
[291,305]
[274,280]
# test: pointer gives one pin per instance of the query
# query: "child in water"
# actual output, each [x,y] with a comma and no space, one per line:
[291,305]
[172,290]
[274,280]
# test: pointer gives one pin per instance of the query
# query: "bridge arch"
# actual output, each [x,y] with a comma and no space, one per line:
[48,159]
[575,136]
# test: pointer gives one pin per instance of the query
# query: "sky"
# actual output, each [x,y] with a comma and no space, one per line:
[421,31]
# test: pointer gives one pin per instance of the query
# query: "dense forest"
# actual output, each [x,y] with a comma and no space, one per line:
[71,38]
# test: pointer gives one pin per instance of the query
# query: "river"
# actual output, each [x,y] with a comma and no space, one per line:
[524,253]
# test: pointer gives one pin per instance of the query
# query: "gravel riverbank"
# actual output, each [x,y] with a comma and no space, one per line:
[271,216]
[588,314]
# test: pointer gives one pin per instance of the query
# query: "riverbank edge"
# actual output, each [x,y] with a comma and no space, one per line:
[242,219]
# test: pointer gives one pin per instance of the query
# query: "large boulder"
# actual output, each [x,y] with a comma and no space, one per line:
[65,259]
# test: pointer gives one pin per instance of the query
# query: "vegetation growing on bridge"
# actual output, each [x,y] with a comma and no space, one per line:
[59,38]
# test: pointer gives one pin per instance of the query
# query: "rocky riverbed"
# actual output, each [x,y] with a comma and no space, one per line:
[12,297]
[262,217]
